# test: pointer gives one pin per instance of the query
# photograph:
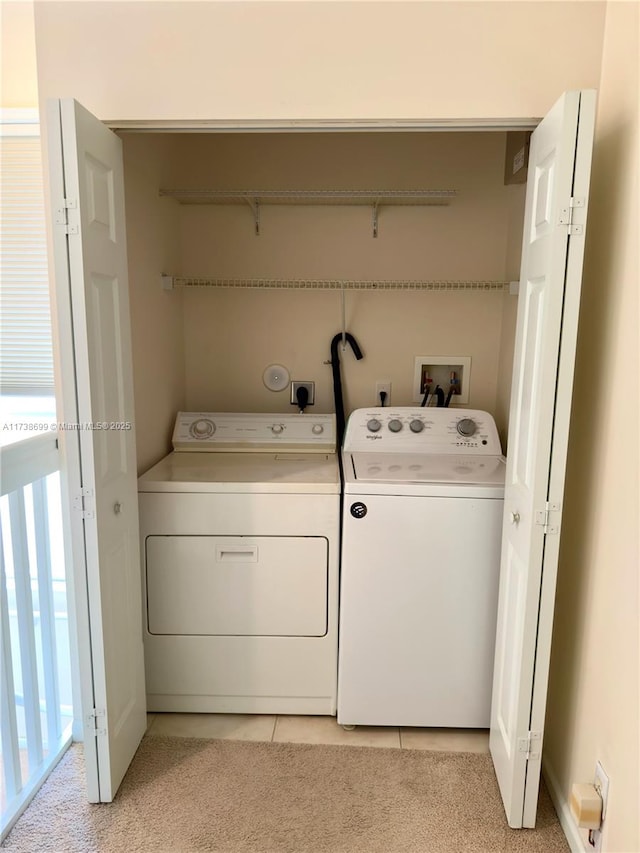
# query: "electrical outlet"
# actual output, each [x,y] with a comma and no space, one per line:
[383,385]
[311,391]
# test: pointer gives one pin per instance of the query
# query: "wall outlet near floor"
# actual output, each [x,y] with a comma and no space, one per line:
[383,386]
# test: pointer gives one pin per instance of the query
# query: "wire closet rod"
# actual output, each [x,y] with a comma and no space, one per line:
[171,282]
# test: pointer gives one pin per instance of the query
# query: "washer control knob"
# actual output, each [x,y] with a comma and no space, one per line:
[276,429]
[416,425]
[467,427]
[373,425]
[395,425]
[317,429]
[202,428]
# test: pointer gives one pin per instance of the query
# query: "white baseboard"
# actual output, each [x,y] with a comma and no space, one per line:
[568,824]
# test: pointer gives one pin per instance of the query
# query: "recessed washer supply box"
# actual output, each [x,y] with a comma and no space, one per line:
[436,370]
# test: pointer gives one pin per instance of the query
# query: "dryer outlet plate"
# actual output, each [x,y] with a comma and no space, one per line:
[311,390]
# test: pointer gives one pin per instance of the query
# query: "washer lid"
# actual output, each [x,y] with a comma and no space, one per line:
[398,469]
[270,473]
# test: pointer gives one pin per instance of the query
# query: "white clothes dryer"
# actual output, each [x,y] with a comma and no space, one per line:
[422,519]
[240,551]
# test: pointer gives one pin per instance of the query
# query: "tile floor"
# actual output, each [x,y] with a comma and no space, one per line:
[325,730]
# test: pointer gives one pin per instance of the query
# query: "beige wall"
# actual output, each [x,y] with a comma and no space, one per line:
[593,711]
[323,61]
[156,316]
[317,60]
[515,224]
[505,365]
[19,86]
[232,335]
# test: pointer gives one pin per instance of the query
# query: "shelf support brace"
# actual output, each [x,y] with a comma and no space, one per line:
[255,207]
[374,212]
[167,282]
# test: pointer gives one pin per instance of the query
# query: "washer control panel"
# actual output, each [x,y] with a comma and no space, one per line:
[423,430]
[230,432]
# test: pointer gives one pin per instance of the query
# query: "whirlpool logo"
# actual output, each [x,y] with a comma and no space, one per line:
[374,437]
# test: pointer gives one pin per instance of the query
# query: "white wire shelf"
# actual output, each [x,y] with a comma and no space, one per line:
[255,199]
[312,197]
[172,282]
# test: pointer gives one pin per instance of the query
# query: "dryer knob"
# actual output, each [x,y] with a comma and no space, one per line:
[373,425]
[317,429]
[467,427]
[395,425]
[276,429]
[202,428]
[416,425]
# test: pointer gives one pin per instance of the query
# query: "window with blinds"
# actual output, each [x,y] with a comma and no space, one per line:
[26,359]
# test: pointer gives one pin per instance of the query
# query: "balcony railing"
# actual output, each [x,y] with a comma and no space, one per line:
[35,689]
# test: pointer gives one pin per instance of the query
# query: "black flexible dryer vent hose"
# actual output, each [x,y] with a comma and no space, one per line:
[337,381]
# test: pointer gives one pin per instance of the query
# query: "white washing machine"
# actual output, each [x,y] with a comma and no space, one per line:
[421,535]
[240,551]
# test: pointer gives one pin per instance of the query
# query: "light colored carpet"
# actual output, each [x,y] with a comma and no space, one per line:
[183,795]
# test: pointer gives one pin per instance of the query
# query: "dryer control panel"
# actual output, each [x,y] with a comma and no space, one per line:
[422,430]
[232,432]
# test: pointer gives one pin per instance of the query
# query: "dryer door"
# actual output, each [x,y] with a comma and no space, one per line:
[250,586]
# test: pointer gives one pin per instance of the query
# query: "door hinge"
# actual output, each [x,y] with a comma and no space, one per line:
[80,505]
[530,744]
[61,216]
[566,216]
[543,517]
[94,722]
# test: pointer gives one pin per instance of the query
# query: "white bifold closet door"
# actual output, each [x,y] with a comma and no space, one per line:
[87,195]
[550,282]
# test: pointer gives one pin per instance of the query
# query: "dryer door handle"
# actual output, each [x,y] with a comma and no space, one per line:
[237,554]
